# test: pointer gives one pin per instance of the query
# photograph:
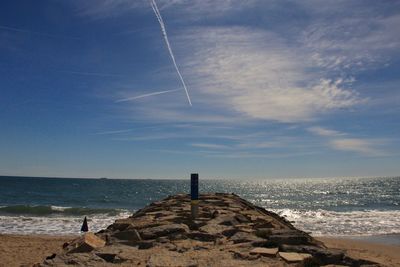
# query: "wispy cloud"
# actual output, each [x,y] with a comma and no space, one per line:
[261,75]
[100,9]
[358,37]
[86,73]
[113,132]
[245,154]
[211,146]
[256,74]
[362,146]
[191,10]
[341,141]
[324,132]
[43,34]
[243,73]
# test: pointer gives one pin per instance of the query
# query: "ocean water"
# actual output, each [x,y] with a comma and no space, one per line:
[336,207]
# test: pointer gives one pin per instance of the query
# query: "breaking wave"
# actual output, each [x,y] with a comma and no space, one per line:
[58,221]
[353,223]
[50,210]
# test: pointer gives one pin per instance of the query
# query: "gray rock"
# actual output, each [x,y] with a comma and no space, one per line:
[145,244]
[163,230]
[228,220]
[291,257]
[132,235]
[205,237]
[230,232]
[242,237]
[263,232]
[108,257]
[215,214]
[86,243]
[322,255]
[269,252]
[241,218]
[290,239]
[244,256]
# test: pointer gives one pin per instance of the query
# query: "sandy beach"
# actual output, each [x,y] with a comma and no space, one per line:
[25,250]
[385,254]
[17,250]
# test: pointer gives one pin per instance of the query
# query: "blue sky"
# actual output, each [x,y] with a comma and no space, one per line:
[279,89]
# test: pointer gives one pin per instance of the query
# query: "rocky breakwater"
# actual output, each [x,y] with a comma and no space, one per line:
[229,231]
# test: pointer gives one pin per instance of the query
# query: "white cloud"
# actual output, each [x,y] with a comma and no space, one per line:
[238,74]
[324,132]
[256,74]
[113,132]
[210,146]
[106,8]
[340,141]
[355,38]
[192,10]
[362,146]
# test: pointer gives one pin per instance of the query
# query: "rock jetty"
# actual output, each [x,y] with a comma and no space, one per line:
[228,231]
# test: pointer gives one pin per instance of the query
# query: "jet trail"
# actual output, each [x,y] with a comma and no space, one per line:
[164,32]
[91,73]
[2,27]
[145,95]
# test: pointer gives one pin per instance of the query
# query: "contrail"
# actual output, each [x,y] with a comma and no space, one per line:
[164,32]
[91,73]
[2,27]
[145,95]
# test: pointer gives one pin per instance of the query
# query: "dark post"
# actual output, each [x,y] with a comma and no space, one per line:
[194,194]
[85,227]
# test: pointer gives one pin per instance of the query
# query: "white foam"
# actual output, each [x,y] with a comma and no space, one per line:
[317,222]
[55,225]
[323,222]
[59,208]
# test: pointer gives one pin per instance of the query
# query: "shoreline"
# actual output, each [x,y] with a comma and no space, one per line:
[385,254]
[17,250]
[383,239]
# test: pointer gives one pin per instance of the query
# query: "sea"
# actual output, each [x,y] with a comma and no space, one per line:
[322,207]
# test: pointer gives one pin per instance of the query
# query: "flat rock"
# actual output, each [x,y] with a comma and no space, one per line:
[323,255]
[290,239]
[269,252]
[131,235]
[163,230]
[214,228]
[242,237]
[86,243]
[294,256]
[206,237]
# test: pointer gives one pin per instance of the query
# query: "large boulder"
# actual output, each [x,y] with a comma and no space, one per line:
[163,230]
[85,243]
[292,257]
[131,235]
[322,255]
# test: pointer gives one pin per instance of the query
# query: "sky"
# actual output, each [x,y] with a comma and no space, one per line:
[279,89]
